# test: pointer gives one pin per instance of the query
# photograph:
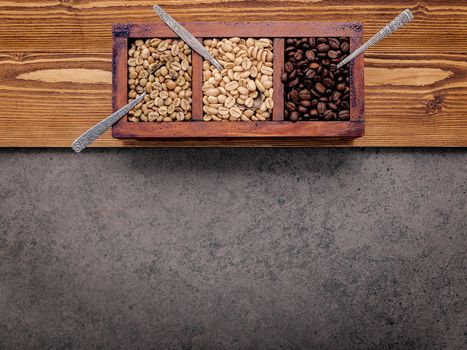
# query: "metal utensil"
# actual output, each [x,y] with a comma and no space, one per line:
[186,36]
[403,18]
[97,130]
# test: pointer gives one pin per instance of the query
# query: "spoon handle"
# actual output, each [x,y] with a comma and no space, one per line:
[97,130]
[403,18]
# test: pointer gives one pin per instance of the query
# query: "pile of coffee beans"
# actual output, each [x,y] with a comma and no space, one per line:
[314,88]
[162,68]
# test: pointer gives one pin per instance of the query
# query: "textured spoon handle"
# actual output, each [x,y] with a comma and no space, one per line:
[404,17]
[97,130]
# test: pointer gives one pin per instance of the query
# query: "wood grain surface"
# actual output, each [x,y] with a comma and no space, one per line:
[55,67]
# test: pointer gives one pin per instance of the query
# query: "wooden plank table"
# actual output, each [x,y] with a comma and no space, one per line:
[55,67]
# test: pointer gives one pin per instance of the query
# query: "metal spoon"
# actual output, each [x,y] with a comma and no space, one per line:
[97,130]
[403,18]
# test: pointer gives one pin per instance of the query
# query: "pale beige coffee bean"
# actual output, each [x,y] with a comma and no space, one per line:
[212,92]
[210,110]
[176,66]
[269,103]
[212,99]
[221,98]
[223,110]
[233,85]
[163,110]
[153,116]
[185,104]
[162,46]
[229,102]
[249,102]
[235,112]
[180,116]
[266,70]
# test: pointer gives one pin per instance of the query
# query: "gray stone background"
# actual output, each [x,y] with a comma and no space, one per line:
[233,249]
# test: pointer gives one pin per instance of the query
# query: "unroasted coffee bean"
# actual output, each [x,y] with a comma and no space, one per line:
[313,87]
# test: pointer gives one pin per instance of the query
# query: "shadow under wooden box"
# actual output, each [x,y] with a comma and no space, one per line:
[277,127]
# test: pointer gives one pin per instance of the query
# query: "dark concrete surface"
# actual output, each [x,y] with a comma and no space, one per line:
[233,249]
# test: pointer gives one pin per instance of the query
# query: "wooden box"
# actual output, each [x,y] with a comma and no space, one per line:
[277,127]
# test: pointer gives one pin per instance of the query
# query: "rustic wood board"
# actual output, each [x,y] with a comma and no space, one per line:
[56,62]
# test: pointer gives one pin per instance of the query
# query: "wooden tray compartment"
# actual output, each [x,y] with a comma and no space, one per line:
[277,127]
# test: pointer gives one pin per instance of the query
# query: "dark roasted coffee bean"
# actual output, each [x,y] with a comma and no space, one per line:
[286,114]
[294,82]
[329,115]
[314,65]
[333,54]
[298,55]
[310,55]
[305,94]
[344,115]
[326,62]
[293,74]
[294,116]
[340,87]
[314,113]
[322,54]
[314,102]
[322,40]
[306,116]
[310,73]
[345,105]
[294,95]
[320,88]
[332,106]
[323,47]
[284,77]
[321,107]
[336,95]
[333,67]
[334,43]
[305,103]
[302,64]
[324,99]
[328,92]
[302,109]
[328,82]
[312,42]
[288,67]
[345,47]
[290,41]
[290,106]
[314,93]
